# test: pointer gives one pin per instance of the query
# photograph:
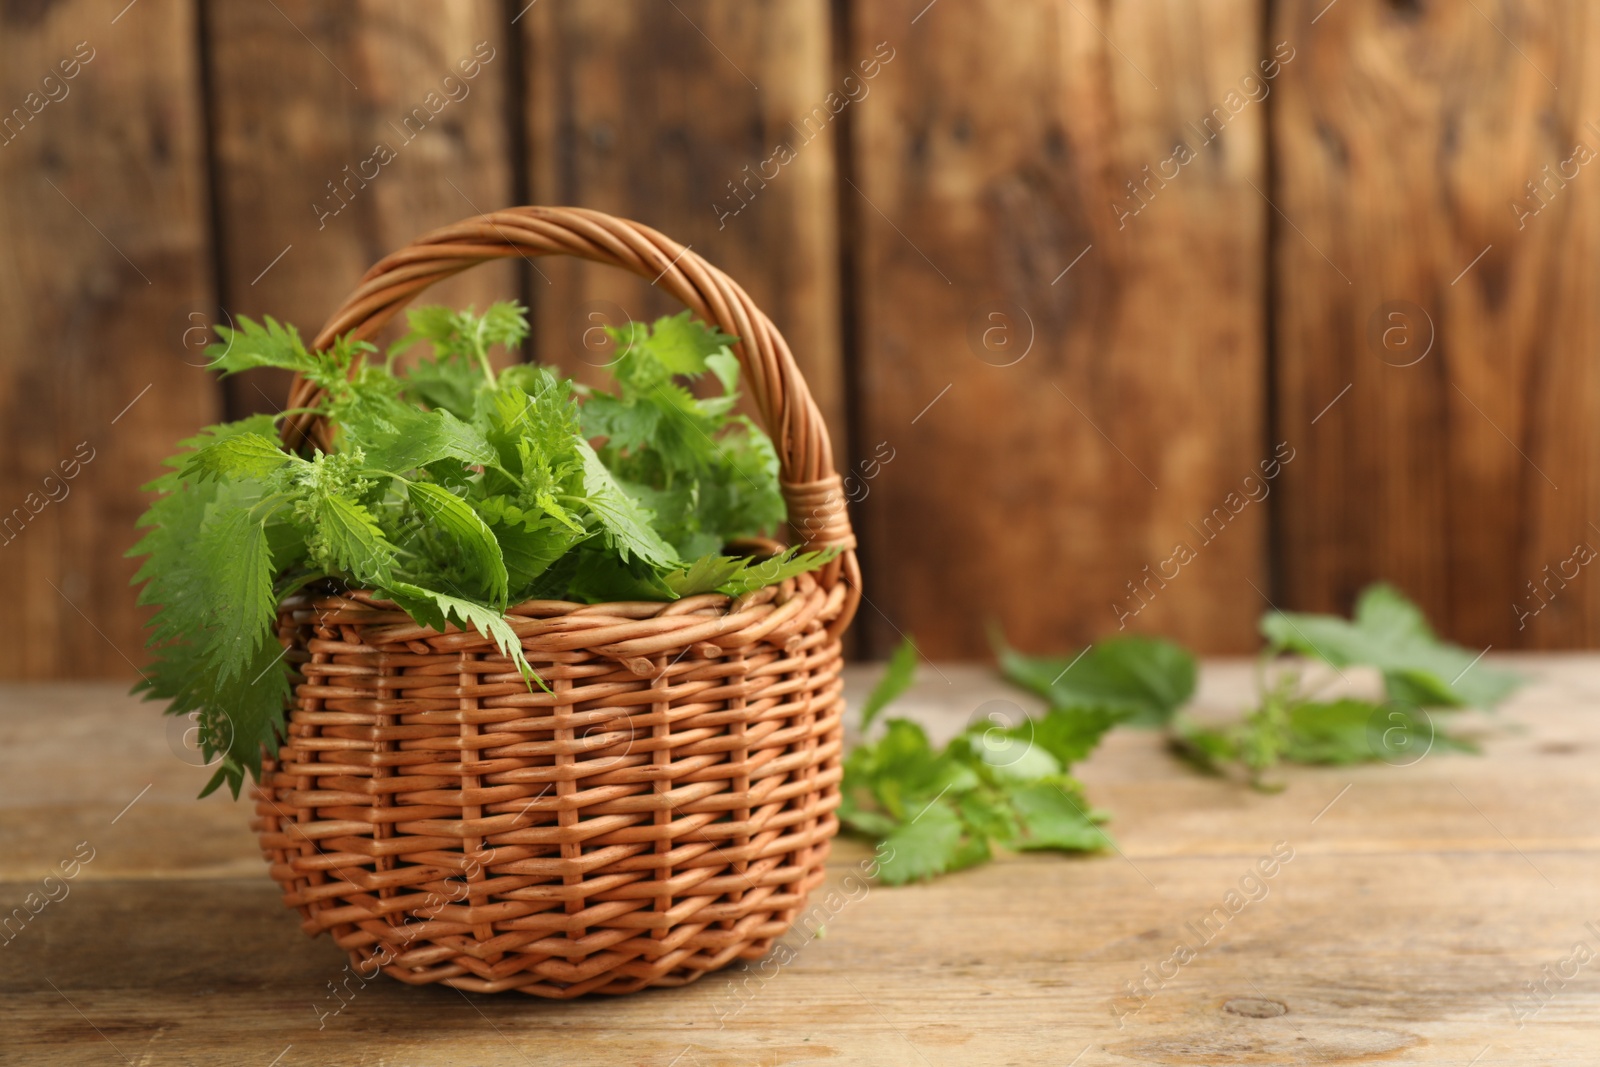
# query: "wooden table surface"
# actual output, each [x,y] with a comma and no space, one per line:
[1446,912]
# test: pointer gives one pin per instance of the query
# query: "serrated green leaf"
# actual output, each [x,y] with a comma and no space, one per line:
[465,333]
[469,534]
[708,475]
[872,823]
[1147,678]
[682,343]
[266,344]
[904,772]
[1391,633]
[988,815]
[738,575]
[434,323]
[555,582]
[760,573]
[241,455]
[529,550]
[725,365]
[238,716]
[601,577]
[995,783]
[432,608]
[505,323]
[1360,731]
[1070,734]
[704,575]
[1054,816]
[347,539]
[238,564]
[626,525]
[416,439]
[896,679]
[1007,755]
[445,383]
[253,702]
[626,427]
[920,849]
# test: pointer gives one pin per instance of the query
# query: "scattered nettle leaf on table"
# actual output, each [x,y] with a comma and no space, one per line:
[1004,786]
[1144,678]
[898,676]
[452,490]
[1291,724]
[1392,634]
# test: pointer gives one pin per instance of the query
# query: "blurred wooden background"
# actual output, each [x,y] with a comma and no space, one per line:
[1123,313]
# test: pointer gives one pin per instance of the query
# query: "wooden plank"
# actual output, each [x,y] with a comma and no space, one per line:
[1015,963]
[104,259]
[1032,486]
[340,133]
[1397,925]
[1405,138]
[671,114]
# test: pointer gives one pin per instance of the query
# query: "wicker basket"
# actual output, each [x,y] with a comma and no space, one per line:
[662,812]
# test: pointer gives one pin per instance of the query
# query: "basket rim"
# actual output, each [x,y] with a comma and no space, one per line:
[631,632]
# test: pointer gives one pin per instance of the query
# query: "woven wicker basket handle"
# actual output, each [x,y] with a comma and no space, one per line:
[811,486]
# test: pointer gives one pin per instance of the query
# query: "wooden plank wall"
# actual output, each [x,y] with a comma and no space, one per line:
[667,113]
[339,133]
[1407,139]
[1060,365]
[105,265]
[1070,280]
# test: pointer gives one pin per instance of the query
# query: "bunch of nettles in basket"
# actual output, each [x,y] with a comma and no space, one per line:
[453,490]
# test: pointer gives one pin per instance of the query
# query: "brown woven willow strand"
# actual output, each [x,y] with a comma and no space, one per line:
[661,809]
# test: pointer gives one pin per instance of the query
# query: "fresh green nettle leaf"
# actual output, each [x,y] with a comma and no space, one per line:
[626,525]
[993,786]
[699,468]
[344,538]
[452,489]
[237,558]
[248,455]
[1145,678]
[409,439]
[1291,724]
[467,535]
[897,678]
[681,344]
[738,575]
[930,845]
[1390,633]
[435,609]
[1334,733]
[265,344]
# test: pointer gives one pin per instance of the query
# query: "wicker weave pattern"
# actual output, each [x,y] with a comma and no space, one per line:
[662,810]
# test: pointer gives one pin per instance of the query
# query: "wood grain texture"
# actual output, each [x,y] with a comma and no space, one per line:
[340,133]
[675,115]
[104,255]
[1059,423]
[1407,136]
[1403,929]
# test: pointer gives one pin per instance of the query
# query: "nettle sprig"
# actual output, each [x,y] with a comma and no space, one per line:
[1003,782]
[1008,784]
[1295,722]
[451,489]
